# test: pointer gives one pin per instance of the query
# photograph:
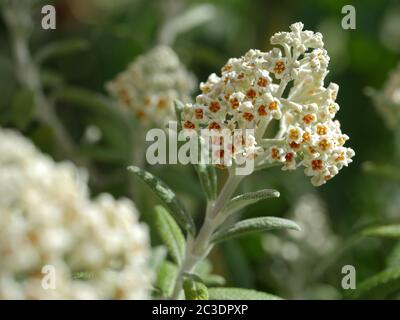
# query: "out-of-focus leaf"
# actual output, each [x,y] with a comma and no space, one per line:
[8,87]
[166,277]
[204,269]
[171,234]
[389,231]
[208,179]
[393,259]
[214,280]
[83,275]
[243,200]
[58,48]
[158,255]
[102,154]
[189,19]
[239,294]
[253,225]
[194,289]
[383,170]
[378,286]
[168,197]
[51,79]
[23,108]
[113,125]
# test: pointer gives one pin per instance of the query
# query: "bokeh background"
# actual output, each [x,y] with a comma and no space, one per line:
[96,39]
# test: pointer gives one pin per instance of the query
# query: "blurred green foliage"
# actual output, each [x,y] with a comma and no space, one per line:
[96,39]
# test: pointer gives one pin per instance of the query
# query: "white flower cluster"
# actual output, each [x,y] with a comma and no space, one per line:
[253,91]
[387,101]
[151,84]
[47,219]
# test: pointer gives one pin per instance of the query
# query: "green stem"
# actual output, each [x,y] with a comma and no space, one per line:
[17,19]
[198,248]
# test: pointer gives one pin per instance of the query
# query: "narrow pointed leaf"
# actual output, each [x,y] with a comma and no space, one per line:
[253,225]
[166,277]
[208,179]
[389,231]
[378,286]
[168,197]
[170,234]
[239,294]
[243,200]
[61,47]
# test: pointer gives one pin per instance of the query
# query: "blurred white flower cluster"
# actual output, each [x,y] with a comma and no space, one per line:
[387,100]
[283,84]
[151,84]
[47,218]
[315,238]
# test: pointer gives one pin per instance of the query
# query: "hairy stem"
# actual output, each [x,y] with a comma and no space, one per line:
[18,21]
[198,248]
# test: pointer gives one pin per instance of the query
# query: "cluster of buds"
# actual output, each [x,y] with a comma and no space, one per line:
[253,91]
[47,220]
[387,101]
[151,84]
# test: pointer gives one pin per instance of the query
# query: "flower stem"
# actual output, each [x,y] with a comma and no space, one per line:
[198,248]
[18,20]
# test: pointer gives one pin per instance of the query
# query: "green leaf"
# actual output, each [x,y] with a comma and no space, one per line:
[383,170]
[208,179]
[214,280]
[158,256]
[170,234]
[22,108]
[389,231]
[206,173]
[393,259]
[61,47]
[239,294]
[194,289]
[378,286]
[168,197]
[253,225]
[243,200]
[166,278]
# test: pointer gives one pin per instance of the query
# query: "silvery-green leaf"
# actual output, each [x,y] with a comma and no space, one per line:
[168,197]
[166,278]
[170,234]
[243,200]
[378,286]
[239,294]
[253,225]
[208,179]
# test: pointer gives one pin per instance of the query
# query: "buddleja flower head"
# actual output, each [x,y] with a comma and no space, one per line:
[47,219]
[387,101]
[250,94]
[151,84]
